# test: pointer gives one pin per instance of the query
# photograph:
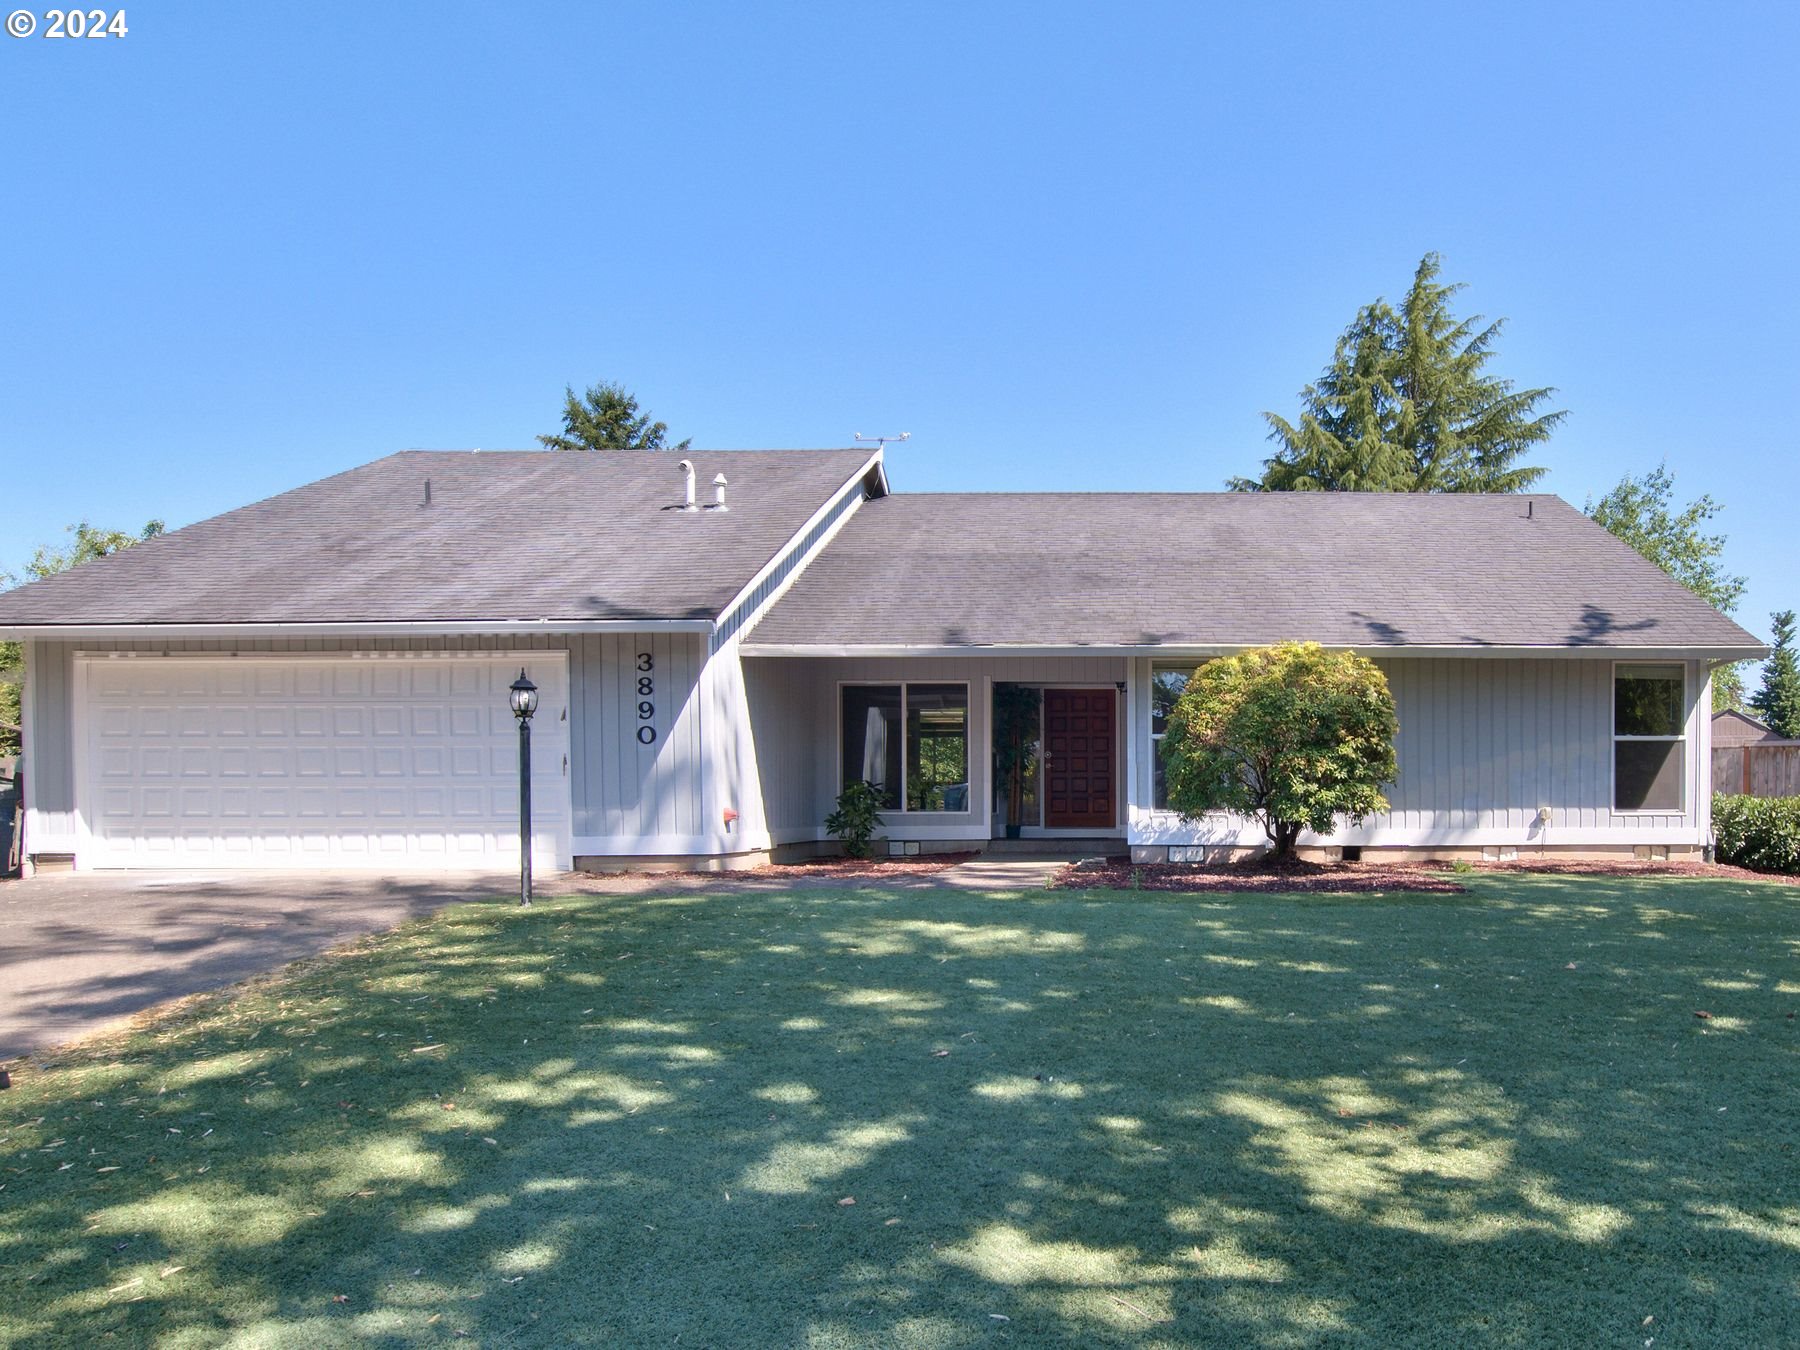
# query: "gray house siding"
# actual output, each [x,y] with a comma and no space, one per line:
[1483,745]
[783,703]
[629,794]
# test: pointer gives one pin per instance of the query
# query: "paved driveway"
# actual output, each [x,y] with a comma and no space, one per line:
[81,950]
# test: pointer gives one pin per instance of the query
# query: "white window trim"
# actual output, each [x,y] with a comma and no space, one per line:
[968,744]
[1613,739]
[1159,668]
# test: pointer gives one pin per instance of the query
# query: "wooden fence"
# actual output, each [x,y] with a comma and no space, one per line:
[1767,770]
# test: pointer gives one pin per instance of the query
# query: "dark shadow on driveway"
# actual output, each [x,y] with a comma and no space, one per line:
[80,951]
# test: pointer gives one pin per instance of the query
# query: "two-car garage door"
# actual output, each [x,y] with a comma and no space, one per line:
[371,761]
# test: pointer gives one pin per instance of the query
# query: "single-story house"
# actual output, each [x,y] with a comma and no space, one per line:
[320,679]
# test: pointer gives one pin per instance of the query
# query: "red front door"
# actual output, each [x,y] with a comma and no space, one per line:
[1081,759]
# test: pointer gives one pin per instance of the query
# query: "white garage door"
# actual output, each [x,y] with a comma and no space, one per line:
[386,762]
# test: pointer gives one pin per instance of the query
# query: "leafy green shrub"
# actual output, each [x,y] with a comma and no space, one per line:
[1291,734]
[858,813]
[1762,833]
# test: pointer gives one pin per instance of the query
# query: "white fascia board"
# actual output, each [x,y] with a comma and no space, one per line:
[378,628]
[1718,655]
[749,587]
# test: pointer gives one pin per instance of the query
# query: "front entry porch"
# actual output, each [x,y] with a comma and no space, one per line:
[929,731]
[1058,761]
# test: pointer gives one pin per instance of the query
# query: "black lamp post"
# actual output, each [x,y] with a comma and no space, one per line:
[524,703]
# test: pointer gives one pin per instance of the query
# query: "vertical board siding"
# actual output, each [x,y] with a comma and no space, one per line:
[784,703]
[625,789]
[1484,744]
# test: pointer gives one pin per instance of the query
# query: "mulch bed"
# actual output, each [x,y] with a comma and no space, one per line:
[1117,874]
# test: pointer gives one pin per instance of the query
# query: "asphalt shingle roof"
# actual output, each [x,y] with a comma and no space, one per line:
[1363,569]
[508,536]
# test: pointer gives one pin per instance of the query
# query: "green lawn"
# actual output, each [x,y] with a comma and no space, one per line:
[1088,1119]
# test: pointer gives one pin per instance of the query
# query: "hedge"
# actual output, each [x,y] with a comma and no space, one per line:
[1758,832]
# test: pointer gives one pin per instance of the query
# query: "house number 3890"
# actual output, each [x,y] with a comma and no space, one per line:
[646,688]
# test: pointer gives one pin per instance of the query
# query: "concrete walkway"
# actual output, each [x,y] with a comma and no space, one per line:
[1001,873]
[81,951]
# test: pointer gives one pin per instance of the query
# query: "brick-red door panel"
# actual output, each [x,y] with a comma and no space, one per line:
[1081,763]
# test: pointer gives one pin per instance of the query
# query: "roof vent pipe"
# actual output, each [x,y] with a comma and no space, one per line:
[687,467]
[719,482]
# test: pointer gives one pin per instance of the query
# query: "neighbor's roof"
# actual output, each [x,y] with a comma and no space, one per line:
[508,537]
[1731,727]
[1226,569]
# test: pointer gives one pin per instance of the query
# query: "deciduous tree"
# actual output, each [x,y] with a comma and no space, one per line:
[1407,405]
[1292,734]
[86,543]
[1641,511]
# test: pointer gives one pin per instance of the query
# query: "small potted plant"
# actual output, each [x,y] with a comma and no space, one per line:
[856,817]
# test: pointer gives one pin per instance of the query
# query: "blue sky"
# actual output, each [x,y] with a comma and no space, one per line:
[1066,246]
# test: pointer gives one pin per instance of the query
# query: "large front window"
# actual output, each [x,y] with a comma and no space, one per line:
[1649,751]
[1165,687]
[911,741]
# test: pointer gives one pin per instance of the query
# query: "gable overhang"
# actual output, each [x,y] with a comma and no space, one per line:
[370,629]
[747,606]
[1172,652]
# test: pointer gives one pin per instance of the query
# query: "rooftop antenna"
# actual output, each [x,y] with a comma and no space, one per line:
[881,442]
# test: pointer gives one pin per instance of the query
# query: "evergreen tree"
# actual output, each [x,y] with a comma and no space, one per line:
[607,417]
[1779,698]
[1641,512]
[1406,405]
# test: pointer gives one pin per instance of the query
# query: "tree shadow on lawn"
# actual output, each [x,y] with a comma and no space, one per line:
[1092,1119]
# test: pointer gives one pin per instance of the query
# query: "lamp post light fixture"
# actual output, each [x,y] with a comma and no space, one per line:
[524,700]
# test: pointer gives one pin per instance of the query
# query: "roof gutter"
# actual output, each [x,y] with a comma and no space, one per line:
[1175,652]
[375,628]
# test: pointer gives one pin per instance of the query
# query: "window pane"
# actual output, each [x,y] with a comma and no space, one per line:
[1647,775]
[1165,688]
[1016,745]
[937,747]
[1160,788]
[1647,701]
[871,732]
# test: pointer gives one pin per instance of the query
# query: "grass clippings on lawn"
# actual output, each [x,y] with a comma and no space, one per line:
[1256,876]
[939,1119]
